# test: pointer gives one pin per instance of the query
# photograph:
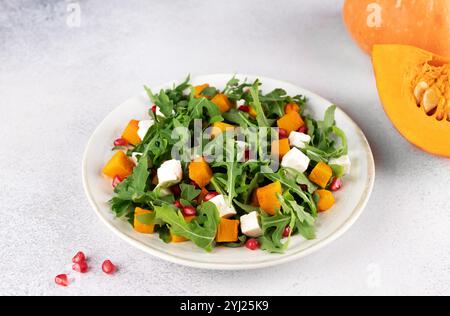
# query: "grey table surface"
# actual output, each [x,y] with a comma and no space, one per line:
[63,70]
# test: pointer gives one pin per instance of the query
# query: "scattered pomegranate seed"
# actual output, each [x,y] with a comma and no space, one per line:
[336,184]
[176,190]
[154,108]
[252,244]
[283,133]
[210,196]
[287,231]
[80,267]
[189,211]
[178,204]
[303,129]
[120,142]
[244,108]
[116,181]
[62,280]
[108,267]
[79,257]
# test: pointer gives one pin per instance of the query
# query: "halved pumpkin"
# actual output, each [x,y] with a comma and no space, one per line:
[414,87]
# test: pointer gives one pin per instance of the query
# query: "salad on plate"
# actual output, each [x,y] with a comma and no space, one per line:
[231,167]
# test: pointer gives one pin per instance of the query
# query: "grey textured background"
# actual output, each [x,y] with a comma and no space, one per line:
[57,83]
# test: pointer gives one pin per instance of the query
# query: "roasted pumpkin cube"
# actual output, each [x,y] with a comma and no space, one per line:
[228,230]
[130,133]
[268,199]
[219,128]
[281,147]
[177,239]
[200,172]
[120,165]
[321,174]
[222,101]
[199,89]
[291,122]
[325,200]
[252,112]
[291,107]
[140,227]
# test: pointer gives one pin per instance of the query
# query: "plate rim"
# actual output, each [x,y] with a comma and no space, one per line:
[284,258]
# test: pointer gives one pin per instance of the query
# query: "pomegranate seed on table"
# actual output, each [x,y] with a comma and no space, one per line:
[189,211]
[336,184]
[210,196]
[79,257]
[252,244]
[283,134]
[62,280]
[108,267]
[116,181]
[178,204]
[287,231]
[80,267]
[120,142]
[244,108]
[303,129]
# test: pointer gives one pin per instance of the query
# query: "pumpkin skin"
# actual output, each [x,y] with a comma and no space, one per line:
[421,23]
[399,69]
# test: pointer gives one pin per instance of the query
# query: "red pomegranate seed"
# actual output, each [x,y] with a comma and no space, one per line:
[62,280]
[247,154]
[189,211]
[176,190]
[80,267]
[244,108]
[283,133]
[178,204]
[79,257]
[120,142]
[154,108]
[287,232]
[304,187]
[252,244]
[303,129]
[210,196]
[116,181]
[336,184]
[108,267]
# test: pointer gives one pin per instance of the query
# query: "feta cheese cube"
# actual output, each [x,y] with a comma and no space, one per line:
[250,225]
[240,103]
[225,211]
[295,159]
[343,161]
[170,173]
[299,140]
[144,126]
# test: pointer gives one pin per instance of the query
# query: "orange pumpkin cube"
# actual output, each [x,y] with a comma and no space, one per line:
[178,239]
[140,227]
[321,174]
[291,122]
[131,133]
[291,107]
[222,101]
[228,230]
[219,128]
[199,89]
[119,166]
[268,199]
[281,147]
[326,200]
[200,172]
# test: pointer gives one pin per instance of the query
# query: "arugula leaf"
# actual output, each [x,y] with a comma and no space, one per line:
[273,228]
[189,192]
[247,208]
[260,115]
[197,107]
[161,100]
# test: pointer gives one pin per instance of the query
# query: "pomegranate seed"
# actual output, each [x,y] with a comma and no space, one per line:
[247,154]
[303,129]
[62,280]
[210,196]
[283,133]
[252,244]
[116,181]
[80,267]
[304,187]
[189,211]
[79,257]
[178,204]
[108,267]
[176,190]
[244,108]
[120,142]
[154,108]
[287,232]
[336,184]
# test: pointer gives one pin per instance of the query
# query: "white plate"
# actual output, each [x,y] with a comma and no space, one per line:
[351,200]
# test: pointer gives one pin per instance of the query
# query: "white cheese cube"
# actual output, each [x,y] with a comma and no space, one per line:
[170,173]
[295,159]
[240,103]
[225,211]
[343,161]
[299,140]
[250,225]
[144,126]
